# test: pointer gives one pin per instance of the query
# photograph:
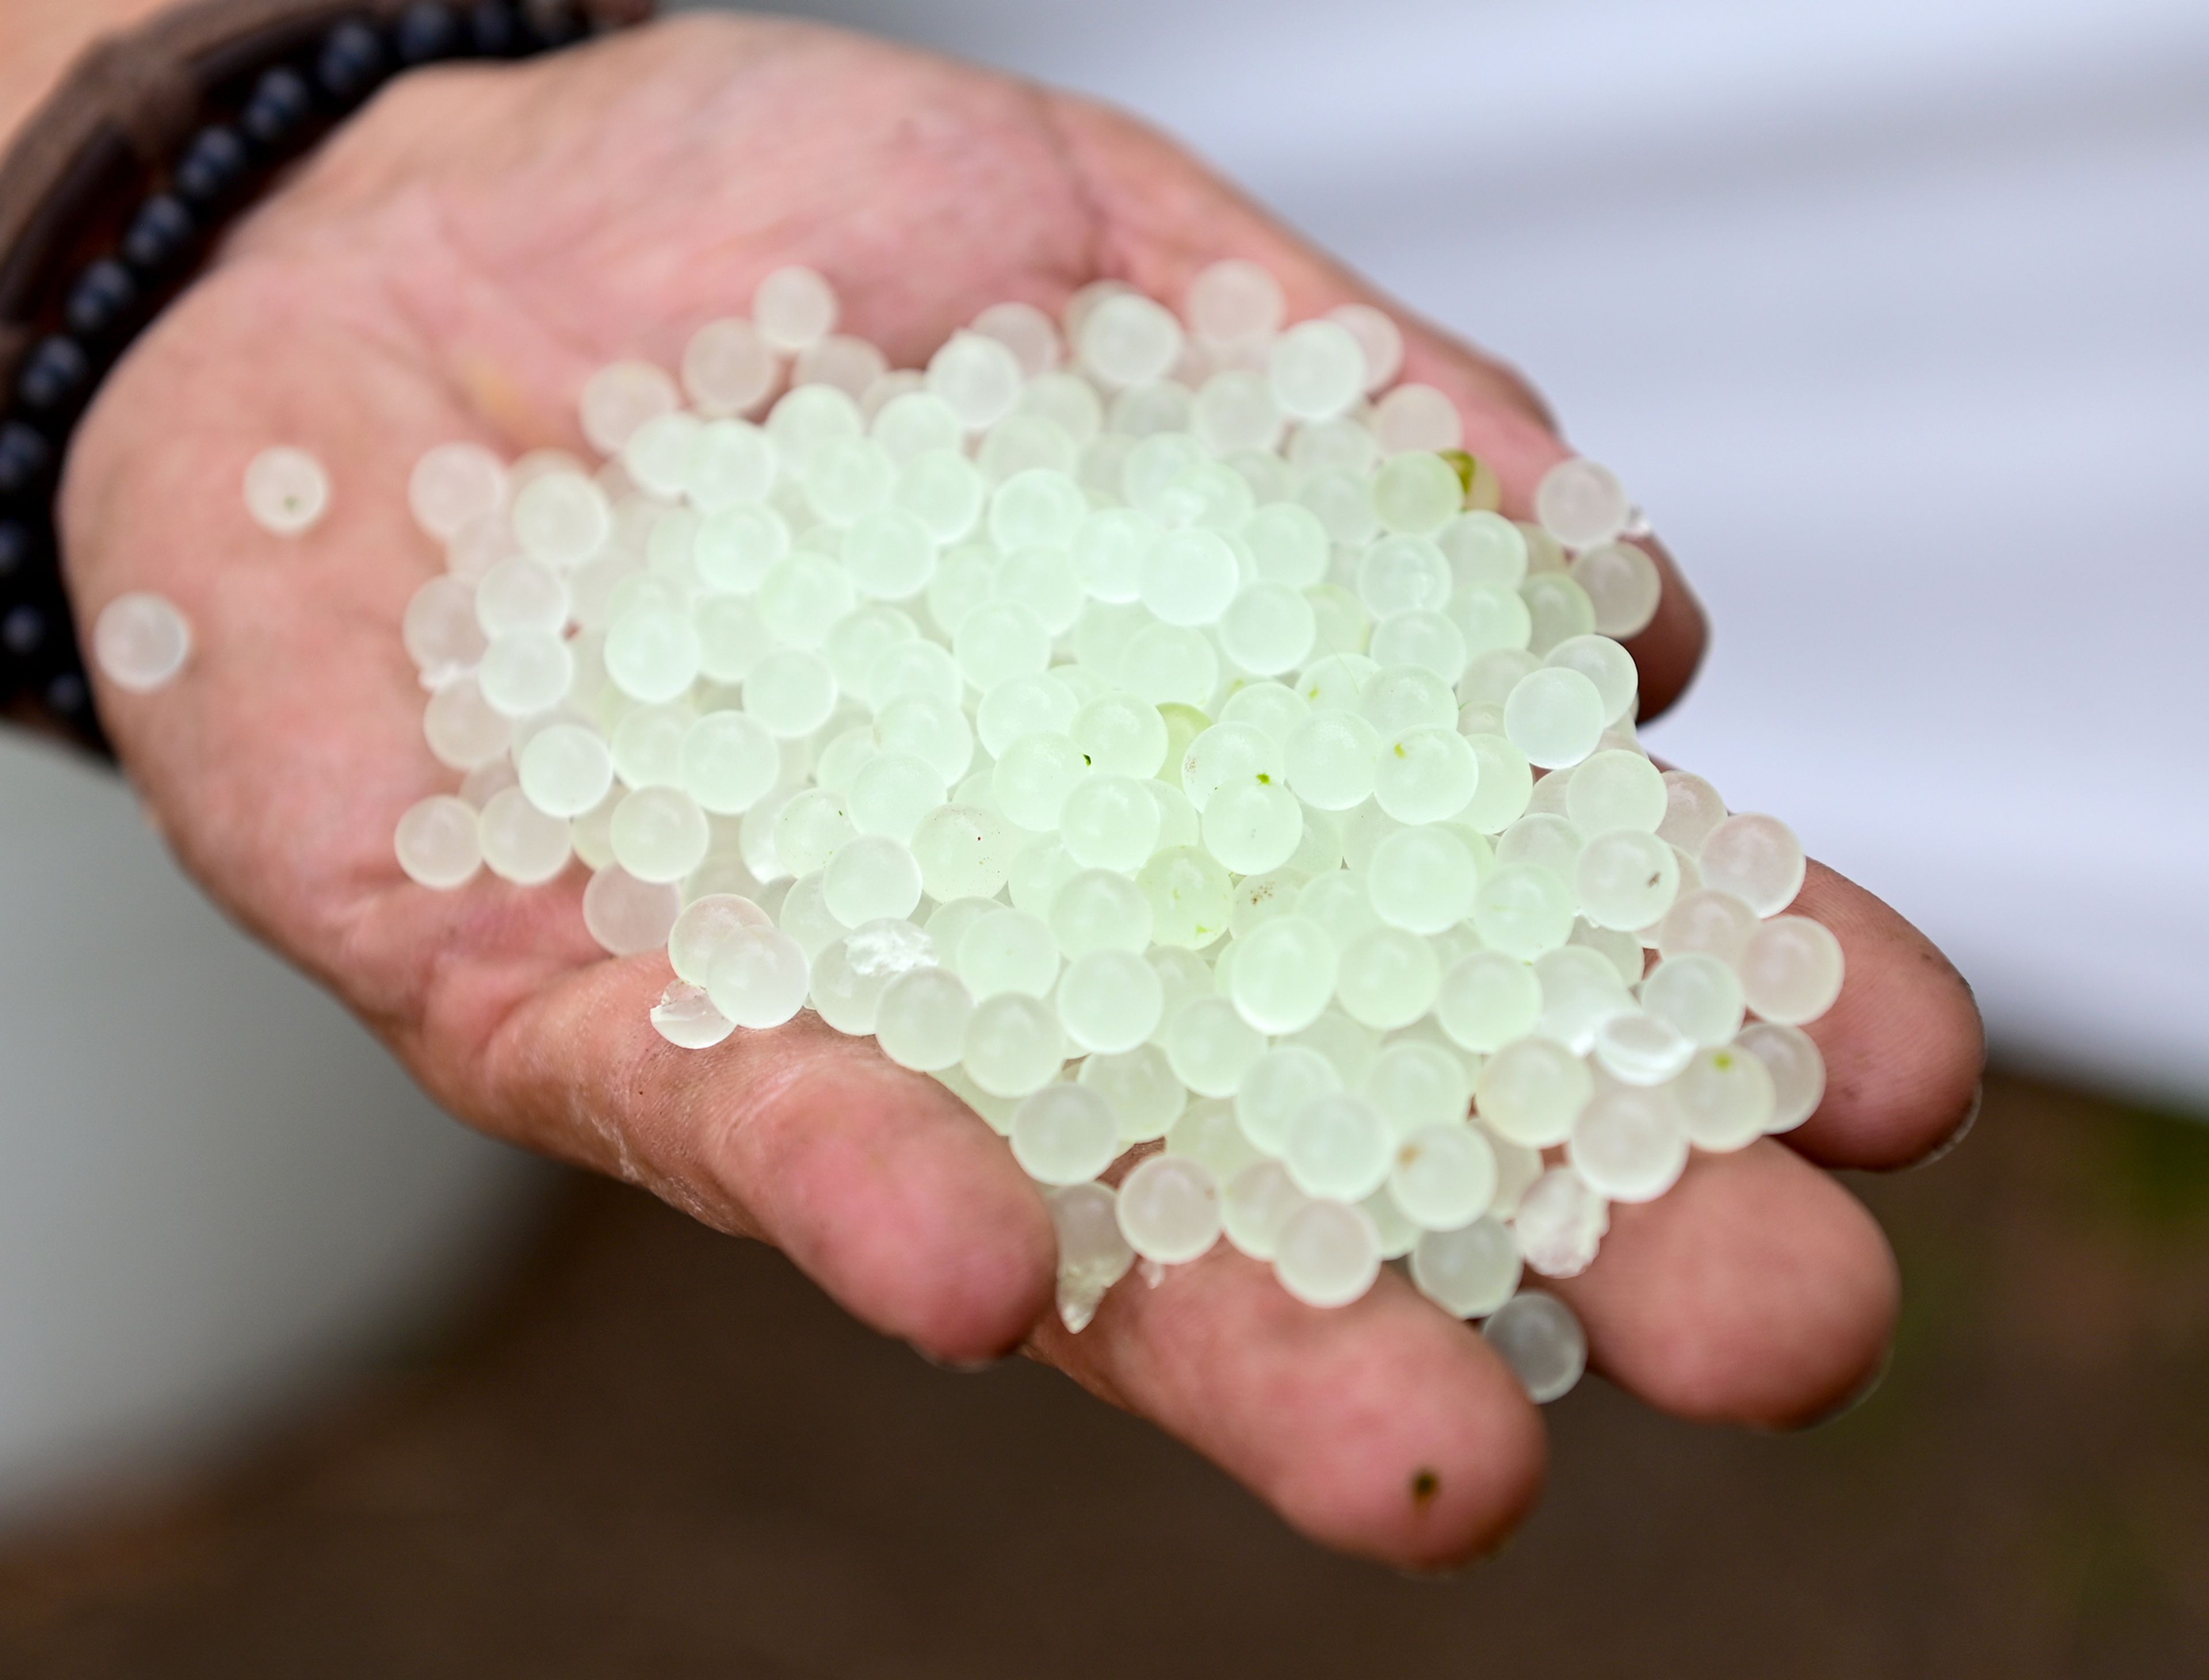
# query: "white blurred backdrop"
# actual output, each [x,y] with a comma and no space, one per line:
[1896,317]
[217,1193]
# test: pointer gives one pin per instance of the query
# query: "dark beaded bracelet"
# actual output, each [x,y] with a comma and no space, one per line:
[71,310]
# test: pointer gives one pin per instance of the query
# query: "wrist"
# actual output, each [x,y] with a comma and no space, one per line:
[40,38]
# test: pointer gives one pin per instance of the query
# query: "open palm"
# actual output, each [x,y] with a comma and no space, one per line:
[454,265]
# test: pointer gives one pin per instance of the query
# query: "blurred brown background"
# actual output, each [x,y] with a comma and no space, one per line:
[661,1453]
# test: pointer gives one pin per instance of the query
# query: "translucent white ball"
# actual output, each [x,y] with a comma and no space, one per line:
[1326,1254]
[1798,1070]
[794,306]
[1169,1209]
[1532,1091]
[141,642]
[1581,504]
[1469,1270]
[1555,716]
[1316,371]
[1542,1341]
[1285,975]
[1791,970]
[1757,859]
[1064,1134]
[438,842]
[1443,1176]
[759,978]
[1629,1144]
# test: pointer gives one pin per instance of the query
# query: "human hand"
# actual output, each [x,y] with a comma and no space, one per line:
[454,264]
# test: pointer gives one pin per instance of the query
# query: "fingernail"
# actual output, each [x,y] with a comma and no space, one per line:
[1963,1127]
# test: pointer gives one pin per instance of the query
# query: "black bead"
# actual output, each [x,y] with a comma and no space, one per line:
[159,235]
[54,378]
[69,698]
[18,545]
[101,301]
[213,166]
[427,31]
[26,458]
[495,28]
[553,23]
[275,119]
[23,630]
[353,63]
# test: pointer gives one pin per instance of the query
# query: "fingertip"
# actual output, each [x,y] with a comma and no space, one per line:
[1904,1044]
[1461,1465]
[898,1201]
[1758,1291]
[1384,1429]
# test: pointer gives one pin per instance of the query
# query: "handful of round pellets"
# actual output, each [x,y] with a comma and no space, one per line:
[1150,728]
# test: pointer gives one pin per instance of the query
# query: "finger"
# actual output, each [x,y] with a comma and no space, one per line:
[1904,1044]
[881,1185]
[1385,1428]
[1757,1290]
[1165,218]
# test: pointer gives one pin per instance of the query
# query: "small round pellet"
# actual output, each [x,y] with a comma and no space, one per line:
[141,642]
[1470,1270]
[1140,1087]
[1013,1044]
[760,978]
[1542,1341]
[1757,859]
[454,485]
[1622,584]
[619,398]
[1285,974]
[1724,1098]
[1532,1091]
[1798,1070]
[1626,878]
[1698,993]
[1414,1083]
[1169,1210]
[521,844]
[729,367]
[1555,716]
[794,306]
[1316,371]
[1064,1134]
[1639,1049]
[566,769]
[287,491]
[1388,978]
[1443,1176]
[705,924]
[1327,1253]
[1791,970]
[1706,921]
[1110,1001]
[1581,504]
[1559,1222]
[660,834]
[1339,1147]
[1630,1142]
[1487,999]
[438,842]
[921,1018]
